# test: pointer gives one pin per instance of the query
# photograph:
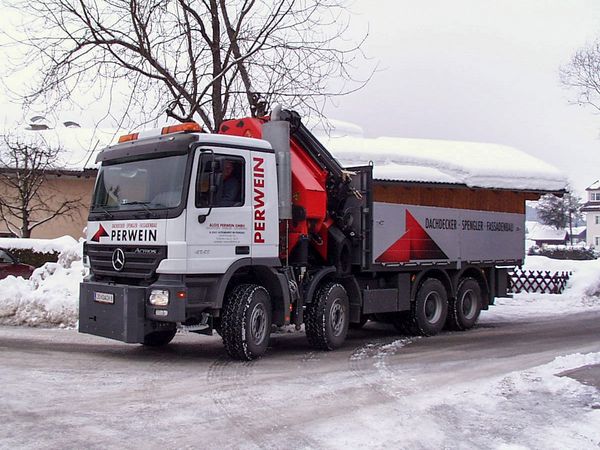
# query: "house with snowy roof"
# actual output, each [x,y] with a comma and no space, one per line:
[592,214]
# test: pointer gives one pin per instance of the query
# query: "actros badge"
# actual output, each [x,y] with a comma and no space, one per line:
[118,259]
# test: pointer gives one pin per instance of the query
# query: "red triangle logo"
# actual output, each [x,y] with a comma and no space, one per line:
[415,244]
[100,233]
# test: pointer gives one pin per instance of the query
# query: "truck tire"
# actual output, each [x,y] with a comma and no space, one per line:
[464,311]
[429,310]
[246,322]
[328,317]
[159,338]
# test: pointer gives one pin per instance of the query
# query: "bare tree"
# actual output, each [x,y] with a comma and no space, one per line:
[26,200]
[193,59]
[582,74]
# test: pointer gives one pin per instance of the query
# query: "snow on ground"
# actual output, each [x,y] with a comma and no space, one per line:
[50,298]
[527,409]
[582,293]
[532,408]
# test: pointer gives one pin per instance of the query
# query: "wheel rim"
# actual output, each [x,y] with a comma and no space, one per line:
[433,307]
[469,304]
[258,324]
[337,317]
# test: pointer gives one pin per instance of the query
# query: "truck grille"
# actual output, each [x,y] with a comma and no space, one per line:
[140,261]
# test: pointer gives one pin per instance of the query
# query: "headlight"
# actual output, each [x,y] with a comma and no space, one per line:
[159,297]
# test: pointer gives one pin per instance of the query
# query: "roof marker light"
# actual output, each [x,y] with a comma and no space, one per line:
[128,137]
[182,127]
[187,126]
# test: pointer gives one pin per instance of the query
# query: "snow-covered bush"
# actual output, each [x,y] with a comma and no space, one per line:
[50,297]
[579,253]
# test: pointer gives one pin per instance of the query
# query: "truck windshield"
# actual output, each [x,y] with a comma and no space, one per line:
[142,184]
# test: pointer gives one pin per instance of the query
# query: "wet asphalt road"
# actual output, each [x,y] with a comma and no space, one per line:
[62,389]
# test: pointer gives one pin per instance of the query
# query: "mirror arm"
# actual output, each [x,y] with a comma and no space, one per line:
[211,178]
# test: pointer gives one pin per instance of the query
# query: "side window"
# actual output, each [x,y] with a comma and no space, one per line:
[226,173]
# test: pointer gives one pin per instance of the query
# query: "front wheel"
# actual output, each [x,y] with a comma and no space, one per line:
[246,322]
[327,317]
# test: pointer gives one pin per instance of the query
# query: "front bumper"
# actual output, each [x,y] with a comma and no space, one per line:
[124,314]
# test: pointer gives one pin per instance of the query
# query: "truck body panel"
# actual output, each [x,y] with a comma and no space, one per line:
[427,234]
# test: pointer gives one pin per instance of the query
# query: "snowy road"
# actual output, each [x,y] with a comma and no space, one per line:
[491,387]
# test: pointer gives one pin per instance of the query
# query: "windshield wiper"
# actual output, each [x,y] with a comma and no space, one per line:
[144,204]
[106,211]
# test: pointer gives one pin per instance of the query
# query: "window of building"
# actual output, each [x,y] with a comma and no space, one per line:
[597,219]
[5,258]
[597,241]
[595,196]
[227,173]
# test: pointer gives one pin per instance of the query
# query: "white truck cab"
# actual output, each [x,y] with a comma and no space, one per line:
[172,214]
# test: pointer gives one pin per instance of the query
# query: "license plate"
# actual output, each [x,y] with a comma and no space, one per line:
[103,297]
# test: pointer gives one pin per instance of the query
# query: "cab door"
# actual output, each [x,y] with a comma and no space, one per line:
[218,222]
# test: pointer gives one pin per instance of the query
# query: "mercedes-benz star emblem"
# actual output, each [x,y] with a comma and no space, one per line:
[118,259]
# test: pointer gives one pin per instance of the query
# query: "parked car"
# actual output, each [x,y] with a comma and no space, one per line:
[10,265]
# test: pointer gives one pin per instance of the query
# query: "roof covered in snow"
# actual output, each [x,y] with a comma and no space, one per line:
[547,234]
[594,186]
[434,161]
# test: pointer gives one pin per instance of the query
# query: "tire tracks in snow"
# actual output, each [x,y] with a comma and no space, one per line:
[370,362]
[259,417]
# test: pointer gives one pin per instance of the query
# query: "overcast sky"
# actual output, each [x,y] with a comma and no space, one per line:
[480,71]
[474,70]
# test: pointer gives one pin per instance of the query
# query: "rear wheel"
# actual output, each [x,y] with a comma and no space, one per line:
[328,317]
[429,310]
[159,338]
[464,311]
[246,322]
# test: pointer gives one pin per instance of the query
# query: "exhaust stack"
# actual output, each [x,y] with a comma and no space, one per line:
[277,133]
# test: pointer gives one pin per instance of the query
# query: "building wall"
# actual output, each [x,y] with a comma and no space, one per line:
[452,197]
[593,228]
[54,191]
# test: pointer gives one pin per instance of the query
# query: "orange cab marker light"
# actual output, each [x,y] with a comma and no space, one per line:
[181,294]
[128,137]
[187,126]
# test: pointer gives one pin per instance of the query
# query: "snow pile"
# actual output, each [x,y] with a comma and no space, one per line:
[50,297]
[58,245]
[582,293]
[469,163]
